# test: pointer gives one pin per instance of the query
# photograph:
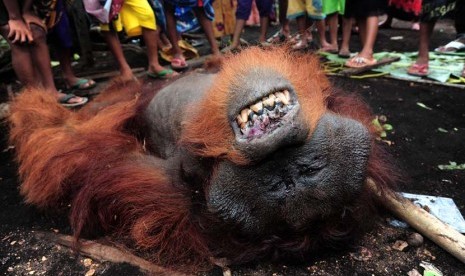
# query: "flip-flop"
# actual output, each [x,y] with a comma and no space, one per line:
[451,47]
[277,38]
[328,50]
[64,100]
[163,74]
[178,63]
[360,62]
[418,70]
[82,84]
[343,54]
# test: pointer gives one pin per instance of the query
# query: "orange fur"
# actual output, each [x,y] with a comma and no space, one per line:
[93,160]
[208,133]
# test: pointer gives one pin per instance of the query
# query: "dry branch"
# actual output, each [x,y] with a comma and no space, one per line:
[102,252]
[440,233]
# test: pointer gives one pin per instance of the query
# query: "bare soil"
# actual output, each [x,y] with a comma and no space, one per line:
[417,145]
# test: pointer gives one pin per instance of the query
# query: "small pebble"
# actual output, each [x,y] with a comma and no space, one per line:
[415,240]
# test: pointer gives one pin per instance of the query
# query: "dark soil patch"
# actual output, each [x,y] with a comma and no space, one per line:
[418,147]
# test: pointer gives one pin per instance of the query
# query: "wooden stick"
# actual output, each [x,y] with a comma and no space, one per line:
[440,233]
[102,252]
[354,71]
[106,75]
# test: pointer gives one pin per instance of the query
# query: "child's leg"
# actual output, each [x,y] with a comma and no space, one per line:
[41,59]
[21,60]
[115,47]
[264,21]
[242,13]
[283,17]
[332,20]
[346,33]
[368,32]
[208,30]
[150,39]
[171,30]
[321,29]
[426,29]
[264,7]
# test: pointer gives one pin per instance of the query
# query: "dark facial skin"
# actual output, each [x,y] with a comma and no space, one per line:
[295,184]
[292,180]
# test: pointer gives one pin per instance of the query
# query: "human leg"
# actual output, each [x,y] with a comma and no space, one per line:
[283,17]
[242,14]
[264,7]
[41,61]
[460,19]
[332,20]
[344,51]
[154,68]
[369,31]
[426,29]
[113,43]
[208,30]
[64,56]
[171,30]
[420,67]
[21,59]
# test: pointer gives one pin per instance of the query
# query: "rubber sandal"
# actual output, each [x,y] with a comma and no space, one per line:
[163,74]
[451,47]
[64,100]
[418,70]
[277,38]
[360,62]
[328,50]
[82,84]
[301,43]
[343,54]
[178,63]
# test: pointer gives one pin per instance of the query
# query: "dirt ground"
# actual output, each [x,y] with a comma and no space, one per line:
[419,145]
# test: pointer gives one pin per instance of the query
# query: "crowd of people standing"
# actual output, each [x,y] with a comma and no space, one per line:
[25,24]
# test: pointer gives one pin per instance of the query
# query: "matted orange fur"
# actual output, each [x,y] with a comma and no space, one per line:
[94,161]
[212,125]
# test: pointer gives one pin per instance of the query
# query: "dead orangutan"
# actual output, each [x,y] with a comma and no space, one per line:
[260,160]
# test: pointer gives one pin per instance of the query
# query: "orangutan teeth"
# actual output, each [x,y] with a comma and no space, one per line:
[245,114]
[257,108]
[257,118]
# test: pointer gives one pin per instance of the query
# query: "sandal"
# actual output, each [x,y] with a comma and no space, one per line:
[360,62]
[418,70]
[82,84]
[451,47]
[65,100]
[178,63]
[344,54]
[277,38]
[300,42]
[328,50]
[163,74]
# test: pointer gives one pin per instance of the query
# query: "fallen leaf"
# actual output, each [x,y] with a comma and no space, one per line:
[452,166]
[422,105]
[400,245]
[440,129]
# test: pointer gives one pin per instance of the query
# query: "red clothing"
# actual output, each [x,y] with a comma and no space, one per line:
[409,6]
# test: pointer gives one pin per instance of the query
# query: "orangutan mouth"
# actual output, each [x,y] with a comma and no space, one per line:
[265,115]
